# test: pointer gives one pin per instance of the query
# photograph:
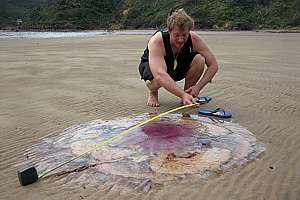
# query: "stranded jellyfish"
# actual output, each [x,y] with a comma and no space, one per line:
[172,149]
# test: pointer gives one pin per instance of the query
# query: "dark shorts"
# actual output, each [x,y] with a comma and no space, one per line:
[183,66]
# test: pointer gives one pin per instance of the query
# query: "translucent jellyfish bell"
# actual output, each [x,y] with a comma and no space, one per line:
[171,149]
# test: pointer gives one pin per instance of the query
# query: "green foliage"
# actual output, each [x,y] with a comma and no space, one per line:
[12,10]
[74,14]
[98,14]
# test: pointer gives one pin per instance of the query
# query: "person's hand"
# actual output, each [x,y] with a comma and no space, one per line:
[193,91]
[188,99]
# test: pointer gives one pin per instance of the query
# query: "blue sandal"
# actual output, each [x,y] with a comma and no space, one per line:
[203,99]
[219,112]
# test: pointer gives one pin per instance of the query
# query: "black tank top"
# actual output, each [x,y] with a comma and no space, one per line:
[169,57]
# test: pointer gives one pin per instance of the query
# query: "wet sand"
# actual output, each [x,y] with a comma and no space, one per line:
[47,85]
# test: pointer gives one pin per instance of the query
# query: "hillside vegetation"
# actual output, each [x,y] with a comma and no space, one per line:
[12,10]
[137,14]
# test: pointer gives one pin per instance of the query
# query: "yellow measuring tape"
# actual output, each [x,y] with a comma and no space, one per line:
[115,137]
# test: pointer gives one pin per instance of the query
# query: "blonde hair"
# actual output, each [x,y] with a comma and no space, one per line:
[180,19]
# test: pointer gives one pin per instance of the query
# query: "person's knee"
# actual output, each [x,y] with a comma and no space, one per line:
[199,61]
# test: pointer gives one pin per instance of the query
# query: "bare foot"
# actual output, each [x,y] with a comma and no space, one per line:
[153,99]
[153,95]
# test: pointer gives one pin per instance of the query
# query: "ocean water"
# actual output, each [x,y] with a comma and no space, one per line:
[25,34]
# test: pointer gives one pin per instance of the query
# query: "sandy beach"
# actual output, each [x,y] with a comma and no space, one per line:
[47,85]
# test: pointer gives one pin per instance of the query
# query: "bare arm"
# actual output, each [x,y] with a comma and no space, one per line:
[159,69]
[210,60]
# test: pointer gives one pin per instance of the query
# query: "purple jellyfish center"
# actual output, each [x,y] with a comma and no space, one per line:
[159,130]
[163,135]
